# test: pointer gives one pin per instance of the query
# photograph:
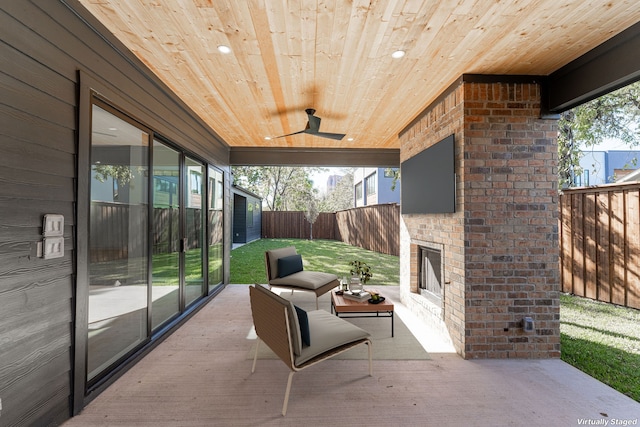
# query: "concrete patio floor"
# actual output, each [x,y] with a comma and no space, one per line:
[201,376]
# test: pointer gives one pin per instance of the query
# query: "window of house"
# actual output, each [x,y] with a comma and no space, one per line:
[370,183]
[250,214]
[390,172]
[359,191]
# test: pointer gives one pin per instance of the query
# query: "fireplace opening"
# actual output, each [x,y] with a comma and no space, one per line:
[430,272]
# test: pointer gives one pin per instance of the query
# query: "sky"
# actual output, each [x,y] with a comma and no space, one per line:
[610,144]
[320,179]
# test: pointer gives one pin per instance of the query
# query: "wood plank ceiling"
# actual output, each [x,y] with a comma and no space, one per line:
[335,56]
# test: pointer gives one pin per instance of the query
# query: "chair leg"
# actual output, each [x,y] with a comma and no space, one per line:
[370,365]
[255,356]
[317,302]
[286,394]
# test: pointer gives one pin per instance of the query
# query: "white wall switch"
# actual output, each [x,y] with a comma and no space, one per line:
[53,247]
[53,225]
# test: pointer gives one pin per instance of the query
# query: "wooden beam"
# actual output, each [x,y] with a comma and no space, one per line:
[608,67]
[263,156]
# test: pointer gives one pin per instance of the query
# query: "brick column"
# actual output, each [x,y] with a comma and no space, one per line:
[511,236]
[501,244]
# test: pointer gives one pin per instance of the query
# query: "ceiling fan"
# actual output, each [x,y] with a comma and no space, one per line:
[313,126]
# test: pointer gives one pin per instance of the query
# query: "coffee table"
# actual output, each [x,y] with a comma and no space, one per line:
[344,307]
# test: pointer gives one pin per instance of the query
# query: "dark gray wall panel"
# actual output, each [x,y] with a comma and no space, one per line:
[32,133]
[44,45]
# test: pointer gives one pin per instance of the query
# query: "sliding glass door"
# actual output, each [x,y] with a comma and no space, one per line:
[118,240]
[165,293]
[194,230]
[216,229]
[155,237]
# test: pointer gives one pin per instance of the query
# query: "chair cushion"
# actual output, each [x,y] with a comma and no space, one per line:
[303,321]
[289,265]
[274,254]
[329,332]
[294,324]
[305,279]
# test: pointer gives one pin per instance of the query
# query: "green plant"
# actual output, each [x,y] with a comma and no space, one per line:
[361,269]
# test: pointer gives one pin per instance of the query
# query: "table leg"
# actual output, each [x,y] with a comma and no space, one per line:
[392,315]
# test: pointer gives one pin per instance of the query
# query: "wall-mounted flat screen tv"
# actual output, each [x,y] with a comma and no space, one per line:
[429,180]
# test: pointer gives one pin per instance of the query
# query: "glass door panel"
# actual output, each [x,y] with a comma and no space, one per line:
[216,230]
[194,231]
[118,241]
[165,292]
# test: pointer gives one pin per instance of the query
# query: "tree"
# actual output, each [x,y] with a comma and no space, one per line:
[395,173]
[614,115]
[341,197]
[311,214]
[282,188]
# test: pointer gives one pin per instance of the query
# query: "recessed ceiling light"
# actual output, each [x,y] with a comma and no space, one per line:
[349,139]
[398,54]
[224,49]
[268,138]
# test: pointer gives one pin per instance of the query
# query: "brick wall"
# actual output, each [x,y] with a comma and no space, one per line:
[501,246]
[437,123]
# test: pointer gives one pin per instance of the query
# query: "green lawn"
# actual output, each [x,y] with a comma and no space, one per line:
[602,340]
[247,262]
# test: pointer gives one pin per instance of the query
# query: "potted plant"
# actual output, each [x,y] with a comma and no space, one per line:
[361,270]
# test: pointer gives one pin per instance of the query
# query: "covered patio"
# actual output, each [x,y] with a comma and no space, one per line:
[133,110]
[200,376]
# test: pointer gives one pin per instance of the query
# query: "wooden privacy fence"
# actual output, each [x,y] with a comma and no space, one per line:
[294,225]
[375,227]
[600,243]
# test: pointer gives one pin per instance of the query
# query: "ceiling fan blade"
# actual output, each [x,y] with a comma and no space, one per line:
[289,134]
[336,136]
[314,121]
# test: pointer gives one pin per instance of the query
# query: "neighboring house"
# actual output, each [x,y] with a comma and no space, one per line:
[247,215]
[605,167]
[373,186]
[332,182]
[632,176]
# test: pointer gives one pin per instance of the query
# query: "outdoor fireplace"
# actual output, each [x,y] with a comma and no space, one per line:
[430,272]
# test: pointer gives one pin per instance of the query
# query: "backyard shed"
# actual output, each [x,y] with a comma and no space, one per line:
[247,215]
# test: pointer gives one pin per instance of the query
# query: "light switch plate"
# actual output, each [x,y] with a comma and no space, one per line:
[53,225]
[53,247]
